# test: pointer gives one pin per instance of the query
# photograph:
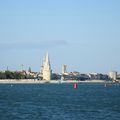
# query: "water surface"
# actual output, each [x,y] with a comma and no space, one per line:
[59,102]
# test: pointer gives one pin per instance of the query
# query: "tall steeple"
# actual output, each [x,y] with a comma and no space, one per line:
[47,61]
[47,69]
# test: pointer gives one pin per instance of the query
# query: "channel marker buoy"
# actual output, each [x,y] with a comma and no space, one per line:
[75,85]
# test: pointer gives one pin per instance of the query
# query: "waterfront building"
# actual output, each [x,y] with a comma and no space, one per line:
[113,75]
[98,76]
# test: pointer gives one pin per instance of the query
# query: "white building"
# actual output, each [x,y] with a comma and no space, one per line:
[113,75]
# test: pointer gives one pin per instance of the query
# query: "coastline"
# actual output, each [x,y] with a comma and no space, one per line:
[34,81]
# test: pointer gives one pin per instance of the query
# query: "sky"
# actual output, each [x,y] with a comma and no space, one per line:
[82,34]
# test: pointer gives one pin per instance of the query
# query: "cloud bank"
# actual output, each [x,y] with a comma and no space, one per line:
[19,45]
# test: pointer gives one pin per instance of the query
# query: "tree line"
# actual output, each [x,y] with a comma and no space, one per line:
[14,75]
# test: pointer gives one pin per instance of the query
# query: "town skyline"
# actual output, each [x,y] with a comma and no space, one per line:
[46,74]
[46,57]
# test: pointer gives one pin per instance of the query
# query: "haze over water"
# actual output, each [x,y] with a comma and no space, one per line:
[59,102]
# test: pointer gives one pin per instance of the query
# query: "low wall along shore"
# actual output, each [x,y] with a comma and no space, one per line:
[34,81]
[20,81]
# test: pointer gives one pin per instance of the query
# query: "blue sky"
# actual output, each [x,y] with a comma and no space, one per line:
[83,34]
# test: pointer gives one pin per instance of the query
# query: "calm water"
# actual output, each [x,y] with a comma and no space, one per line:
[59,102]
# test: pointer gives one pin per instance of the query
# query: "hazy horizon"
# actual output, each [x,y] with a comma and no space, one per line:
[82,34]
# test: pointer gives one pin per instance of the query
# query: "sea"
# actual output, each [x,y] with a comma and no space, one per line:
[59,102]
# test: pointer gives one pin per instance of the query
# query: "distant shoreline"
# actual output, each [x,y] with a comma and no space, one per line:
[34,81]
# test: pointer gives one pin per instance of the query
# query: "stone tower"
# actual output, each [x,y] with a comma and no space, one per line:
[46,69]
[64,69]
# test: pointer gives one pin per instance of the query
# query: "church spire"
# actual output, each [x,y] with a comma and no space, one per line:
[47,61]
[46,68]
